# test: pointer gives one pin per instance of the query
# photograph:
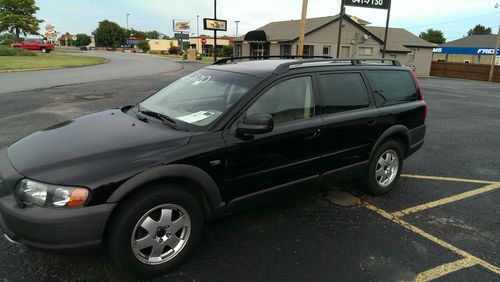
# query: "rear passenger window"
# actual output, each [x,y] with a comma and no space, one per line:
[343,92]
[391,87]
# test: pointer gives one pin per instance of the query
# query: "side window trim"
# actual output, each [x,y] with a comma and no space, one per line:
[366,82]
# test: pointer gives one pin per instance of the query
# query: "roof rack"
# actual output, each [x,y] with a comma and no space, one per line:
[352,61]
[231,59]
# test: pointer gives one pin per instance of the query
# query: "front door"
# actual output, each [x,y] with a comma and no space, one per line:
[285,156]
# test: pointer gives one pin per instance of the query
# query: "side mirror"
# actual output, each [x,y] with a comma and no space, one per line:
[256,124]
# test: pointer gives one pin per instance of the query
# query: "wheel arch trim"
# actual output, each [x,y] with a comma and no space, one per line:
[178,171]
[395,129]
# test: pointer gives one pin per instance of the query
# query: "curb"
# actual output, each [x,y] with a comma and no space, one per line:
[55,68]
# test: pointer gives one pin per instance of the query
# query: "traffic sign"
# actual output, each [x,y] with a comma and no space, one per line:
[203,40]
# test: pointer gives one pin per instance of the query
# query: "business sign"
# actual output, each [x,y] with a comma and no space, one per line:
[49,27]
[464,50]
[377,4]
[134,40]
[181,26]
[213,24]
[181,36]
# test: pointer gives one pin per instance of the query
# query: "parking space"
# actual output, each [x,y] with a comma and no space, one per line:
[441,222]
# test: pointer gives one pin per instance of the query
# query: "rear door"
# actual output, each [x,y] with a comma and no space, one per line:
[287,155]
[351,126]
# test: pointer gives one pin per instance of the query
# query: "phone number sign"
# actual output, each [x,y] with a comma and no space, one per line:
[377,4]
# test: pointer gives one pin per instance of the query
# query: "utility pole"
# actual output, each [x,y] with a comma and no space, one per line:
[127,20]
[386,30]
[494,59]
[300,47]
[197,25]
[215,32]
[342,13]
[236,22]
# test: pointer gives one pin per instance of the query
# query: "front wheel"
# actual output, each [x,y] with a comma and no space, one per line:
[154,232]
[44,50]
[384,169]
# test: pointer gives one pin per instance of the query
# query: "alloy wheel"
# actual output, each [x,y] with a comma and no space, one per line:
[387,167]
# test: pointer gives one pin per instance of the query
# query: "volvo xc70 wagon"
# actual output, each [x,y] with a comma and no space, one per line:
[143,179]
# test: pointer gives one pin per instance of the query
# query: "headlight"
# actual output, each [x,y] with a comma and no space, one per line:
[46,195]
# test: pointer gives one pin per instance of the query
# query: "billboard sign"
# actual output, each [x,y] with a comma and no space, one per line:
[377,4]
[213,24]
[181,26]
[465,50]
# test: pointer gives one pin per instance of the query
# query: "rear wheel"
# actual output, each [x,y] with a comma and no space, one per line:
[153,233]
[384,169]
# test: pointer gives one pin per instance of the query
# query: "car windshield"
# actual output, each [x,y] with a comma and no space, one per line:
[200,97]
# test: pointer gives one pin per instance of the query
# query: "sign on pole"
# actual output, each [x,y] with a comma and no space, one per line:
[214,24]
[181,36]
[181,26]
[376,4]
[203,40]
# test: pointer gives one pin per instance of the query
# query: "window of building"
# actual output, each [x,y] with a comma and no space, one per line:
[285,50]
[308,50]
[345,51]
[343,92]
[239,50]
[411,55]
[365,51]
[327,50]
[392,87]
[289,100]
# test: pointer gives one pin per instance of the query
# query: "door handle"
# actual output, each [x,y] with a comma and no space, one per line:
[315,135]
[372,123]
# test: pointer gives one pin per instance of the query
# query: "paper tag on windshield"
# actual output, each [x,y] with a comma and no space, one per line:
[195,117]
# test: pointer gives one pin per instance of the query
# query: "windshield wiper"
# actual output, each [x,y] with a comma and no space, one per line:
[162,117]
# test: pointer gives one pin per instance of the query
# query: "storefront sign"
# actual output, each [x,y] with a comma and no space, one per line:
[213,24]
[377,4]
[464,51]
[181,35]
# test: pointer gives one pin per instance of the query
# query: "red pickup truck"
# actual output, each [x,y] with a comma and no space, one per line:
[34,44]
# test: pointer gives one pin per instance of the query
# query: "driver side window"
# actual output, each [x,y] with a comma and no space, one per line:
[289,100]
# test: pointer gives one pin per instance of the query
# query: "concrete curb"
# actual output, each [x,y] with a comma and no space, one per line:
[55,68]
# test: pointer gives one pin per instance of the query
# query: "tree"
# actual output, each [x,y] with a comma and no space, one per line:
[109,34]
[7,38]
[433,35]
[144,46]
[82,40]
[152,34]
[479,29]
[18,16]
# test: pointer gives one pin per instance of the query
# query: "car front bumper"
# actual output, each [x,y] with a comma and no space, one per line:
[47,228]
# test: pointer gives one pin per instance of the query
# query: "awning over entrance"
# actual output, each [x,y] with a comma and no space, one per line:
[256,36]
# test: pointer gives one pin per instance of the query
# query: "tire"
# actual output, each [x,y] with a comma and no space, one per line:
[126,236]
[381,176]
[43,50]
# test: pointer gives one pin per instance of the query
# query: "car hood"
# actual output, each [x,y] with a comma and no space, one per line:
[93,148]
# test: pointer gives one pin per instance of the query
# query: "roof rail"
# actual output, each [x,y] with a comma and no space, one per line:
[352,61]
[231,59]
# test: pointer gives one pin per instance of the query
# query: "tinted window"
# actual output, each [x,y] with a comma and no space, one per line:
[343,92]
[392,87]
[287,101]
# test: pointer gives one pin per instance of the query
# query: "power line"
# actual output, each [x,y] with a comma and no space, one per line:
[453,21]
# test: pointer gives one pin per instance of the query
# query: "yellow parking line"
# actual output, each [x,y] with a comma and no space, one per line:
[432,238]
[447,179]
[442,270]
[447,200]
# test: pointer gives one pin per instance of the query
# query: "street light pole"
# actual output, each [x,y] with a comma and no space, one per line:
[237,22]
[215,32]
[127,20]
[198,25]
[494,59]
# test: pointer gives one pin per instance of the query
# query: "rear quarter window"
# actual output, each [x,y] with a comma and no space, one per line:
[392,87]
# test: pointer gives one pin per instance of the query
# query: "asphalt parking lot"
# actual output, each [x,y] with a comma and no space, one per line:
[441,222]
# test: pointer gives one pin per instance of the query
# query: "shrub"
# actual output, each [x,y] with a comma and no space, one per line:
[227,51]
[174,50]
[9,51]
[144,46]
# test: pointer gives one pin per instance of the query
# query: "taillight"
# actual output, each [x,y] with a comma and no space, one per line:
[420,94]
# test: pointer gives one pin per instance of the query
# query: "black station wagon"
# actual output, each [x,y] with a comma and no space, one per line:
[142,180]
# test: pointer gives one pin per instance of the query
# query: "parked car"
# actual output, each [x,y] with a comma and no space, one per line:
[34,45]
[143,179]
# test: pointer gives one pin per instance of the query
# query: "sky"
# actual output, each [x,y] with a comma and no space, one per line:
[453,17]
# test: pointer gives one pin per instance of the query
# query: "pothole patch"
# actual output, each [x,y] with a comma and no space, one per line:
[93,97]
[342,198]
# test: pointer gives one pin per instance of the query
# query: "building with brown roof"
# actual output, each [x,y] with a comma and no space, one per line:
[473,49]
[358,40]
